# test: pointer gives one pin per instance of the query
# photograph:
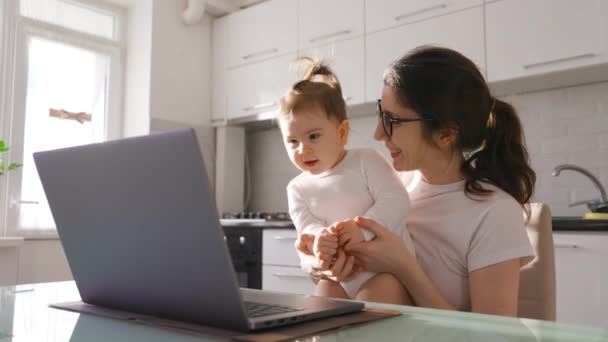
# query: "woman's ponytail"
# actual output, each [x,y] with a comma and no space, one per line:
[503,158]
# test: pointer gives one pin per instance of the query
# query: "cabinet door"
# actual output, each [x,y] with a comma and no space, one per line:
[580,265]
[263,31]
[286,279]
[383,14]
[462,31]
[256,88]
[218,70]
[325,21]
[535,37]
[278,247]
[346,60]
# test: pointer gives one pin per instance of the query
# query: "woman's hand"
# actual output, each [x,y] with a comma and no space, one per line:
[386,253]
[342,269]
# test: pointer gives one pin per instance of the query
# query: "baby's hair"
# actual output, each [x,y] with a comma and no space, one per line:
[319,89]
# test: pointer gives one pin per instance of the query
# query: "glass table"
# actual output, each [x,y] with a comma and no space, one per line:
[25,316]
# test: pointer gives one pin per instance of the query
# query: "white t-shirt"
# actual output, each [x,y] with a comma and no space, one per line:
[454,234]
[362,184]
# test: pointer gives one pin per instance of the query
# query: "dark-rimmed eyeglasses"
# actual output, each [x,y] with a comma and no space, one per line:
[388,120]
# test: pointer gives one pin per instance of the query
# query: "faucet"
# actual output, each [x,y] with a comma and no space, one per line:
[597,205]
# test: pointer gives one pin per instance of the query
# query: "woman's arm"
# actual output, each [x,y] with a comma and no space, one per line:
[387,253]
[503,280]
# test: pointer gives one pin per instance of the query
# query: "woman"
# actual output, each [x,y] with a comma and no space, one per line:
[438,116]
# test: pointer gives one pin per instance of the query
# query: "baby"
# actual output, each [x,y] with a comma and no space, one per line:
[337,184]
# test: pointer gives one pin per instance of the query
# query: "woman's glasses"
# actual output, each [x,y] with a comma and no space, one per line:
[388,121]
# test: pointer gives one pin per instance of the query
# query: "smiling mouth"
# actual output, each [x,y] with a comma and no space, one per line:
[311,163]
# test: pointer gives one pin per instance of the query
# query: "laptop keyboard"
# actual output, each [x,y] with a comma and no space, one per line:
[259,309]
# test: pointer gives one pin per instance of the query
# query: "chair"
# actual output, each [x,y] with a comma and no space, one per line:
[537,278]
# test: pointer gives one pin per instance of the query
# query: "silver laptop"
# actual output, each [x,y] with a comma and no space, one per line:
[141,233]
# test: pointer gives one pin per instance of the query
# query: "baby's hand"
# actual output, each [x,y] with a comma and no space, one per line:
[325,244]
[349,233]
[304,243]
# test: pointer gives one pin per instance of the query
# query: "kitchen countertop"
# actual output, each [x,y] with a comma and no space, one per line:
[560,223]
[567,223]
[259,225]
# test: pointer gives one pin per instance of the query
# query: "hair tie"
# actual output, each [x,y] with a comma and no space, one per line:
[491,119]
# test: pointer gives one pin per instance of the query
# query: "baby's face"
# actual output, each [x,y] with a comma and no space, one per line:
[314,143]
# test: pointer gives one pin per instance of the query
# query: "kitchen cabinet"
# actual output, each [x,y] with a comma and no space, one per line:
[346,60]
[384,14]
[527,38]
[462,31]
[256,88]
[218,69]
[281,264]
[263,31]
[582,277]
[325,21]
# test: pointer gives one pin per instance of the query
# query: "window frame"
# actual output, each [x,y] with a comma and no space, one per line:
[18,31]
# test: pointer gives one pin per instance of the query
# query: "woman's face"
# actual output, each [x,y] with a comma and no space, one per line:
[407,145]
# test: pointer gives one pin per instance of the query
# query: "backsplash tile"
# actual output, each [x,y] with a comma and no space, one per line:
[565,125]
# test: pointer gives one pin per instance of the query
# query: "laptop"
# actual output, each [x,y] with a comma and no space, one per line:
[141,233]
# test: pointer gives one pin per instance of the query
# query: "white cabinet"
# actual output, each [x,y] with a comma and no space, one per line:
[346,60]
[256,88]
[263,31]
[281,263]
[218,69]
[383,14]
[582,277]
[527,38]
[324,21]
[462,31]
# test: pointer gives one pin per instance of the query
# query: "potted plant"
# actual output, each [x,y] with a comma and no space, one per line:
[4,168]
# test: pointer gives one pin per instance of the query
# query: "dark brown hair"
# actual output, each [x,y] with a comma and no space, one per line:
[444,85]
[319,88]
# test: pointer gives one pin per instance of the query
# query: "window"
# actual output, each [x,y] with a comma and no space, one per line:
[66,92]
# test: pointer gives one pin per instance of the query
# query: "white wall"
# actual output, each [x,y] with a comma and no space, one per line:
[138,68]
[567,125]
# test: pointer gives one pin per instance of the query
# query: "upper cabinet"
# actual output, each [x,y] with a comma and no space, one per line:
[325,21]
[346,60]
[218,70]
[383,14]
[462,31]
[263,31]
[256,88]
[526,38]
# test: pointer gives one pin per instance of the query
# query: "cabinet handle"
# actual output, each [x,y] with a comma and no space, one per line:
[558,60]
[260,106]
[287,275]
[285,238]
[566,245]
[330,35]
[261,53]
[420,11]
[347,98]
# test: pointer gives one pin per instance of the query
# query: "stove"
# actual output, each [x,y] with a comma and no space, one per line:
[257,219]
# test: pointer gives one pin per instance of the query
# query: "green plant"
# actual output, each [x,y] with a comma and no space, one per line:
[3,167]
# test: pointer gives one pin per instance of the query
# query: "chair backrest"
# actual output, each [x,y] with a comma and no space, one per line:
[537,278]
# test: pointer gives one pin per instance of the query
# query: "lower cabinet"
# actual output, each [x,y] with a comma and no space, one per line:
[281,265]
[581,265]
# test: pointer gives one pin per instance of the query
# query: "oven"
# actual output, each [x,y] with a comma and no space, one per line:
[243,233]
